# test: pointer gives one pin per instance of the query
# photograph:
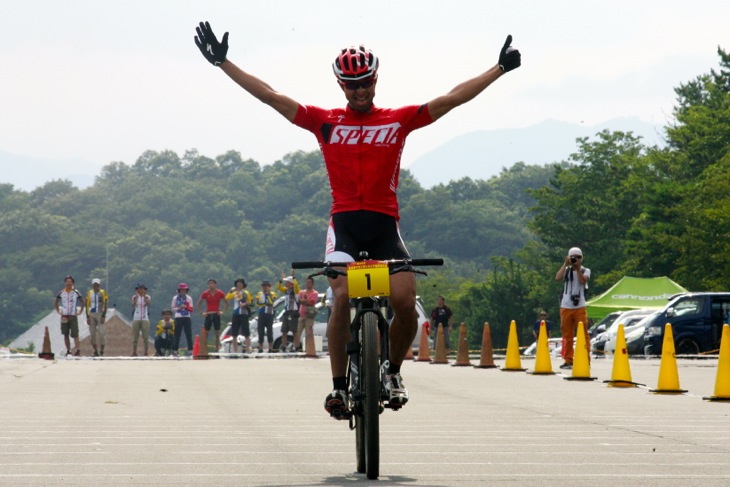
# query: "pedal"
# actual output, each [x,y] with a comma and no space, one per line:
[341,416]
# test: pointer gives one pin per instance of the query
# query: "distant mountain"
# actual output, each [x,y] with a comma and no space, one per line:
[483,154]
[28,173]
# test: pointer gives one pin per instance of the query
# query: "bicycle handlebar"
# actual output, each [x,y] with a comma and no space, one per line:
[321,264]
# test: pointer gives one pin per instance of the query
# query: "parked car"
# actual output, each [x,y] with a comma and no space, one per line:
[634,335]
[319,328]
[696,320]
[627,318]
[605,323]
[555,345]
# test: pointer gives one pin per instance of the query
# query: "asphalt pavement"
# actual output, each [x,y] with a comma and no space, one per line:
[261,422]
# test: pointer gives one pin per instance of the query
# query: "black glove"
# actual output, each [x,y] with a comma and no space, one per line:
[214,51]
[509,57]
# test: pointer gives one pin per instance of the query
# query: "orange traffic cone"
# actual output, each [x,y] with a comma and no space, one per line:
[200,348]
[46,352]
[621,373]
[310,351]
[424,354]
[441,357]
[513,362]
[722,381]
[668,382]
[486,359]
[581,358]
[543,365]
[462,355]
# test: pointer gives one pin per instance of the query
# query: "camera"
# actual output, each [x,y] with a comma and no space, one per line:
[573,260]
[575,298]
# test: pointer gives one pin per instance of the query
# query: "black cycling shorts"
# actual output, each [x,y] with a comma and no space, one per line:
[212,321]
[352,232]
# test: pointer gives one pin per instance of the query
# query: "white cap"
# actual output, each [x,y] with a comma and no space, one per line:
[575,251]
[288,279]
[95,281]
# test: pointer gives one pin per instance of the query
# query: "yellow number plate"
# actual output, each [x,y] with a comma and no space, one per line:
[368,278]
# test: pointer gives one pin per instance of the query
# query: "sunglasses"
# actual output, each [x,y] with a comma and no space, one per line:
[576,256]
[354,85]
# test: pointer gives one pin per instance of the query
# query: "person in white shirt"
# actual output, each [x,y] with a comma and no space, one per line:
[69,304]
[140,318]
[575,279]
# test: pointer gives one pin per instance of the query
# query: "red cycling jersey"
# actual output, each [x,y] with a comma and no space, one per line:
[362,152]
[213,300]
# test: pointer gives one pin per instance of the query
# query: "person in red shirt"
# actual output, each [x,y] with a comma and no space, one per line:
[361,145]
[212,297]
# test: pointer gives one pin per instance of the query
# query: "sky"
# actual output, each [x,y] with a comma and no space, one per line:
[98,82]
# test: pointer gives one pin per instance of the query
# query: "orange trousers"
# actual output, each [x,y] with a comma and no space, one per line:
[569,319]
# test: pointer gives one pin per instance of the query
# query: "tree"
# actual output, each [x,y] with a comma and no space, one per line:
[590,203]
[502,297]
[681,207]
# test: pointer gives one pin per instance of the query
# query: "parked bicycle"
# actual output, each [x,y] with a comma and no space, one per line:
[368,350]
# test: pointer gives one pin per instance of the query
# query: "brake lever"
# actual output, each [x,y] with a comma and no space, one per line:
[333,273]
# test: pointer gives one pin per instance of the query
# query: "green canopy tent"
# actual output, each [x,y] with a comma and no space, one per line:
[634,293]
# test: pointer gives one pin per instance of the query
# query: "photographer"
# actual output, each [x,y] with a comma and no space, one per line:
[573,301]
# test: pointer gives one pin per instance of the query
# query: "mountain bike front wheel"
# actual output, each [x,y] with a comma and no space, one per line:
[370,383]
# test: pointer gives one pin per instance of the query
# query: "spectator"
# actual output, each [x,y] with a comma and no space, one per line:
[575,279]
[442,315]
[289,322]
[543,316]
[328,300]
[182,306]
[96,305]
[213,298]
[69,304]
[265,303]
[307,298]
[140,318]
[165,334]
[241,311]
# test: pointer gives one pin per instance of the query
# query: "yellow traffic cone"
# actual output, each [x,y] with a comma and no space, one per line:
[462,355]
[440,357]
[486,360]
[543,365]
[581,358]
[668,382]
[513,362]
[621,373]
[722,382]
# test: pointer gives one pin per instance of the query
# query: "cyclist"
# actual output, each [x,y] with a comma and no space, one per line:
[361,145]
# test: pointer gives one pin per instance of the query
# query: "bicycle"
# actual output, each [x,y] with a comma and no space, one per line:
[368,288]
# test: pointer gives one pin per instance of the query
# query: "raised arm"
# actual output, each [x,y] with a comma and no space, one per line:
[509,59]
[215,52]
